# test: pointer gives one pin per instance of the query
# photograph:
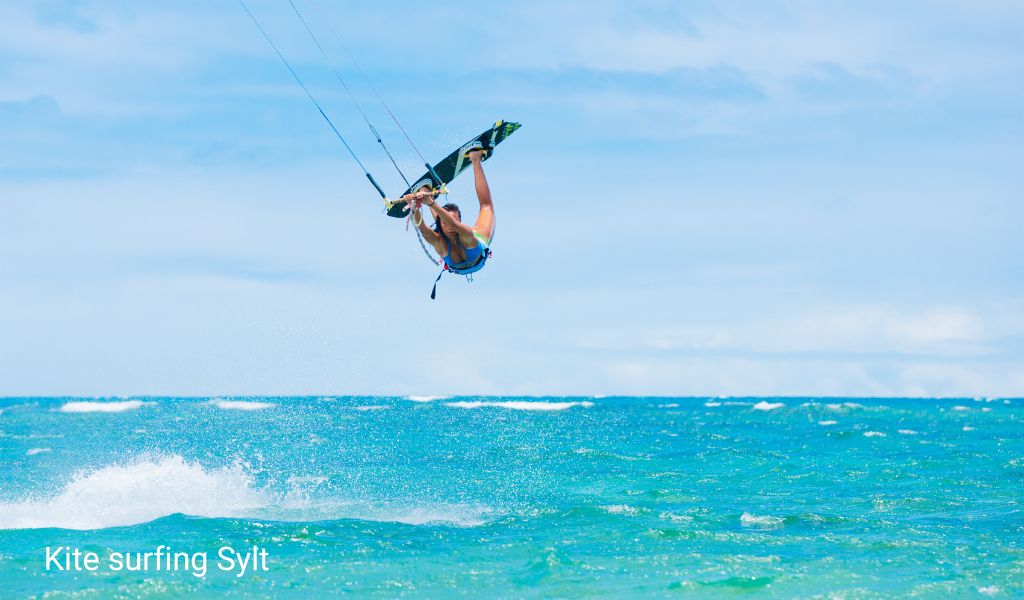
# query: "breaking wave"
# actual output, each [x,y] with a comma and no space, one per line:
[521,405]
[102,407]
[155,487]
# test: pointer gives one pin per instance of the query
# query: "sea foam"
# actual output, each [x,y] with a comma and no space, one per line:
[621,509]
[427,398]
[241,404]
[102,407]
[135,493]
[845,406]
[765,521]
[521,405]
[154,487]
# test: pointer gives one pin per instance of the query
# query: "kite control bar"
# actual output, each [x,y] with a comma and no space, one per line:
[415,197]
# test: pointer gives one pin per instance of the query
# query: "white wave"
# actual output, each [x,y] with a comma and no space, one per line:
[968,428]
[907,432]
[155,487]
[372,407]
[768,521]
[675,518]
[240,404]
[34,451]
[673,405]
[521,405]
[828,422]
[137,493]
[961,408]
[621,509]
[762,405]
[102,407]
[712,404]
[989,590]
[845,406]
[427,398]
[874,434]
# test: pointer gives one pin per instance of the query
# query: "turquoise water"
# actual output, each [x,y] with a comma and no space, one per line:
[518,497]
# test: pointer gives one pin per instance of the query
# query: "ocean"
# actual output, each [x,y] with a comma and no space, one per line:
[511,497]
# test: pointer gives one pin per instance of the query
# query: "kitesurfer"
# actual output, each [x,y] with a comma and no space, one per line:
[463,249]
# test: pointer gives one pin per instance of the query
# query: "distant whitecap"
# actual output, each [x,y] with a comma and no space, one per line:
[621,509]
[102,407]
[767,521]
[240,404]
[521,405]
[425,398]
[675,518]
[844,406]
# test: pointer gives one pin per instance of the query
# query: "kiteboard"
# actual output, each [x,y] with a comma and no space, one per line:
[455,163]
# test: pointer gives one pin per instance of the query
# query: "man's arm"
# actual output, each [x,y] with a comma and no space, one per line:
[483,191]
[447,218]
[427,232]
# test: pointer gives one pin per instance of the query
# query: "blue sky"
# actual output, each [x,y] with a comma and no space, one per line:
[796,198]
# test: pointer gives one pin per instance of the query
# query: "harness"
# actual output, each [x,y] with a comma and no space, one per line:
[466,271]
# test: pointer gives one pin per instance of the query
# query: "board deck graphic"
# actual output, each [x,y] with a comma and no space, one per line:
[455,163]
